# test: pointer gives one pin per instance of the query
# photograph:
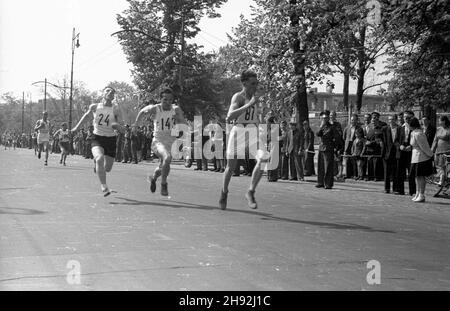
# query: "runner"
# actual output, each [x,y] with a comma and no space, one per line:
[64,142]
[43,138]
[164,115]
[242,112]
[106,118]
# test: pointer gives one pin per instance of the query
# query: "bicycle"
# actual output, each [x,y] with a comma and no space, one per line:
[441,189]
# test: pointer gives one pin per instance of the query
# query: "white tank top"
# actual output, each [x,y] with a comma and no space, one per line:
[103,119]
[163,122]
[64,136]
[44,133]
[44,130]
[250,115]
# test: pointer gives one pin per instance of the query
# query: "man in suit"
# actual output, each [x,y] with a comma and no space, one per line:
[308,147]
[394,135]
[367,124]
[405,156]
[375,164]
[284,157]
[294,145]
[329,142]
[349,137]
[428,129]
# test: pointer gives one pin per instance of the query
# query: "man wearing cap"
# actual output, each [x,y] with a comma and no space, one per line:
[329,143]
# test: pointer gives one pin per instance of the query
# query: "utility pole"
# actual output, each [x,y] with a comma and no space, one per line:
[23,108]
[45,94]
[31,125]
[77,44]
[64,100]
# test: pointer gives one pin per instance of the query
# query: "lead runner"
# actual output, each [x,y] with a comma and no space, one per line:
[242,112]
[106,118]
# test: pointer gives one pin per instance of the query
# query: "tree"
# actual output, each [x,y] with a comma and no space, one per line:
[420,52]
[153,37]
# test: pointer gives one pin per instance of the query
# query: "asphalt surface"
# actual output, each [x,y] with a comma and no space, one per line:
[300,238]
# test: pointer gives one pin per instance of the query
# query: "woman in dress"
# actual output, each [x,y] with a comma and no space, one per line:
[441,146]
[421,159]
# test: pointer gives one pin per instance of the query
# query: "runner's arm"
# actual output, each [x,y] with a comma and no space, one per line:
[179,118]
[146,109]
[83,118]
[235,111]
[56,133]
[117,125]
[38,126]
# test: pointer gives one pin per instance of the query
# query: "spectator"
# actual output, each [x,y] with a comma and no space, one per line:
[358,148]
[295,151]
[272,175]
[393,136]
[329,144]
[338,159]
[428,129]
[127,145]
[309,149]
[284,156]
[144,143]
[374,149]
[401,119]
[405,156]
[349,136]
[119,146]
[134,144]
[139,143]
[88,143]
[421,159]
[367,124]
[441,146]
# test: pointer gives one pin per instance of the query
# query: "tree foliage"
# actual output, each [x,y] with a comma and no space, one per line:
[154,35]
[420,54]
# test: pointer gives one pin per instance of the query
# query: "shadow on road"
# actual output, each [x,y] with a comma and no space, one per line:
[265,216]
[19,211]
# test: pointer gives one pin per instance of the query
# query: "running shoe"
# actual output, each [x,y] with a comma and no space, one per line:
[164,190]
[105,191]
[223,200]
[250,195]
[45,163]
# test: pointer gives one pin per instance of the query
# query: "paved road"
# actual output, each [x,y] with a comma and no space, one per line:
[300,238]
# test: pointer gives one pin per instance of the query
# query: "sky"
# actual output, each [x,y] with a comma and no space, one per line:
[36,37]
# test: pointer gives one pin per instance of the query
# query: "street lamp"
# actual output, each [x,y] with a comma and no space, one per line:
[45,90]
[74,44]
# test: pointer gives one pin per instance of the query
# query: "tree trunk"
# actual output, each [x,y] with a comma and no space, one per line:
[301,97]
[361,68]
[345,90]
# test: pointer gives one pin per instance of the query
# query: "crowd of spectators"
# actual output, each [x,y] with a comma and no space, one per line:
[403,149]
[397,151]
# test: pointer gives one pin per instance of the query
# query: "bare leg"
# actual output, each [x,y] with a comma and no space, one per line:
[231,166]
[99,158]
[256,176]
[165,168]
[46,151]
[109,161]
